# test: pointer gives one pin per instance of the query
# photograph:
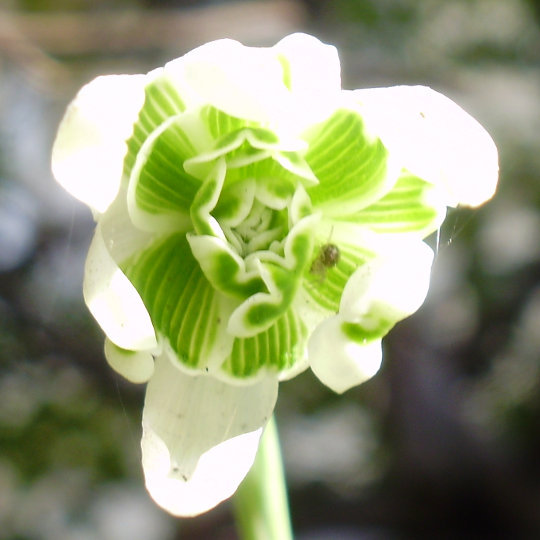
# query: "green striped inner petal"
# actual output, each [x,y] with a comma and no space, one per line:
[410,206]
[352,167]
[161,102]
[159,183]
[325,283]
[279,348]
[183,306]
[220,123]
[275,184]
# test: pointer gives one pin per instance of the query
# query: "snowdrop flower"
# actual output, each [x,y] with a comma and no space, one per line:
[254,220]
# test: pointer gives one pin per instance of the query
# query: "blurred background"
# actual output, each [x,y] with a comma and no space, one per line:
[443,443]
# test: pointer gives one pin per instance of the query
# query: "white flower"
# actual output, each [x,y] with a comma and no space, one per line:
[255,219]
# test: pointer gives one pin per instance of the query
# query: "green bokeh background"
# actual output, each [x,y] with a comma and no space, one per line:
[443,442]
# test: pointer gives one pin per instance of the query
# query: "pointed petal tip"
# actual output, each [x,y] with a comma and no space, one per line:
[216,477]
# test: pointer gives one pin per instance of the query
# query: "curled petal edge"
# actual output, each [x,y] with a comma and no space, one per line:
[90,146]
[114,302]
[136,366]
[339,362]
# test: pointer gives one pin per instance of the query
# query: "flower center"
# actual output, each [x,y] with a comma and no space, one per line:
[253,239]
[262,230]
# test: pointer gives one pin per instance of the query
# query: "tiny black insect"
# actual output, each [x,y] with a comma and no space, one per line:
[328,257]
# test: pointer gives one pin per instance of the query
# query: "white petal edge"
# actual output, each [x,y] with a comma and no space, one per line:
[394,284]
[135,366]
[113,300]
[200,436]
[90,146]
[246,82]
[315,78]
[435,139]
[337,361]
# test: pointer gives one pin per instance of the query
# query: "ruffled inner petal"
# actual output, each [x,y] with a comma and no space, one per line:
[160,190]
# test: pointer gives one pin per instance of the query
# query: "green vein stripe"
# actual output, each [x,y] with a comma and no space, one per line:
[161,102]
[177,315]
[179,299]
[279,347]
[351,168]
[161,184]
[220,123]
[404,209]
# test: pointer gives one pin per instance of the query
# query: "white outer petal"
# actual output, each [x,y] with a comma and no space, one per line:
[435,139]
[315,78]
[338,362]
[389,287]
[90,146]
[242,81]
[200,436]
[396,282]
[114,301]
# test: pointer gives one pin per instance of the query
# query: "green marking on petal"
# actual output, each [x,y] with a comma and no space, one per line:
[205,201]
[223,268]
[282,276]
[286,66]
[161,102]
[360,334]
[411,205]
[235,203]
[352,167]
[279,348]
[183,306]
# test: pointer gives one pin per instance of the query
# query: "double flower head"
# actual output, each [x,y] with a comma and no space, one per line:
[254,220]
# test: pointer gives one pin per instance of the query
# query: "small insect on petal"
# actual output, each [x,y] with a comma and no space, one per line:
[327,258]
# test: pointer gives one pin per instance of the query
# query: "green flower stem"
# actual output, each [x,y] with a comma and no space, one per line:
[260,504]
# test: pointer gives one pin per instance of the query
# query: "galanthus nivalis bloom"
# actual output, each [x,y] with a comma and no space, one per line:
[253,220]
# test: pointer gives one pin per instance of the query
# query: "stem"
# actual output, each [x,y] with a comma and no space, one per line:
[260,504]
